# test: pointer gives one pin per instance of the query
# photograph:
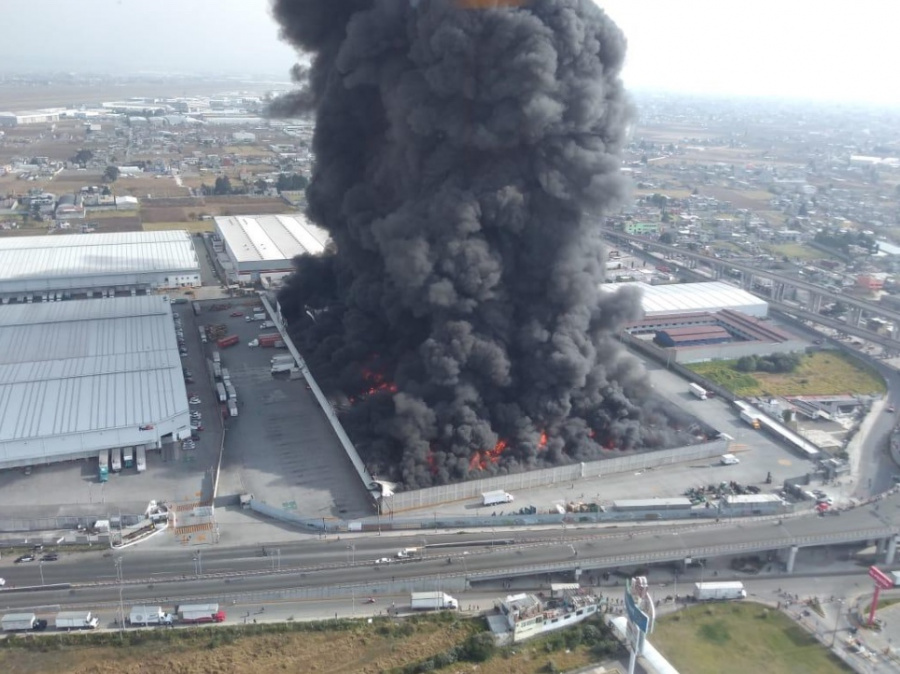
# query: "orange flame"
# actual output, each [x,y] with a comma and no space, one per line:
[481,460]
[543,442]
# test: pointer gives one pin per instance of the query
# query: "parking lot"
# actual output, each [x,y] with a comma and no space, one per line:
[280,447]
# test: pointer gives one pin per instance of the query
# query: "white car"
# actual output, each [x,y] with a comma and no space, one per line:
[2,582]
[196,416]
[195,401]
[188,444]
[384,560]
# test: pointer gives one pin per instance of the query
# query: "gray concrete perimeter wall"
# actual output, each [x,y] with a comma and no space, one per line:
[422,498]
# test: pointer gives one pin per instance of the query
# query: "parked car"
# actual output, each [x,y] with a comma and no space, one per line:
[24,558]
[50,557]
[188,380]
[236,314]
[195,436]
[196,426]
[195,401]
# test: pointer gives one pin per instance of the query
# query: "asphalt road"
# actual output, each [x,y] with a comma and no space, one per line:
[342,563]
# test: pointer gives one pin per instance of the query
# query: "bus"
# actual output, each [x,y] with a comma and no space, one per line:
[104,465]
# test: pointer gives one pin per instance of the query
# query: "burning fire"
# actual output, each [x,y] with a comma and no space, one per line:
[543,442]
[481,460]
[376,383]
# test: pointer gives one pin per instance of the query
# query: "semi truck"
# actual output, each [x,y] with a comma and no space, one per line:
[269,339]
[432,601]
[103,459]
[232,408]
[255,317]
[149,615]
[19,622]
[220,390]
[217,357]
[141,459]
[283,366]
[203,334]
[76,620]
[230,392]
[200,613]
[698,391]
[217,370]
[128,457]
[490,498]
[115,459]
[265,325]
[719,591]
[226,376]
[230,340]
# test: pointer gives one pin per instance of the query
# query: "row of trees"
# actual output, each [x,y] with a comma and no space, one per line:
[780,363]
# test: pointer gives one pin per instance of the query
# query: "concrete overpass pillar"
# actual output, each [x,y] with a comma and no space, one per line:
[855,316]
[746,280]
[792,557]
[815,303]
[881,546]
[895,333]
[891,551]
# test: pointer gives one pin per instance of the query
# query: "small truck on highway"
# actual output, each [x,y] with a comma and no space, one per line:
[149,615]
[21,622]
[719,591]
[76,620]
[200,613]
[432,601]
[751,419]
[698,391]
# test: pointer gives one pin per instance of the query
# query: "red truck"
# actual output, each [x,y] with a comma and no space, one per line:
[200,613]
[269,340]
[230,340]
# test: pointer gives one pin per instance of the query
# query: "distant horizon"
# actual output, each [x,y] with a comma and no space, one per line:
[802,50]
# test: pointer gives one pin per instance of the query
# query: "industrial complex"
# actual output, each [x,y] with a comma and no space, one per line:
[83,376]
[47,268]
[685,298]
[262,247]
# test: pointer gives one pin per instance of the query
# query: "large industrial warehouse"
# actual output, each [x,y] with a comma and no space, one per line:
[42,268]
[83,376]
[261,247]
[690,298]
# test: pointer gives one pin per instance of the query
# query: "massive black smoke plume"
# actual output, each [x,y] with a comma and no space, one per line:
[462,158]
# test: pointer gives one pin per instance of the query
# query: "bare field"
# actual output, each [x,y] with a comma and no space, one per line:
[194,227]
[229,205]
[753,199]
[19,97]
[141,186]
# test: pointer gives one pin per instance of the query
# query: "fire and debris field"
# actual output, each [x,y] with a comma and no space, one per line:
[415,644]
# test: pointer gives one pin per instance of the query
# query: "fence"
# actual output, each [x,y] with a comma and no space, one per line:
[61,523]
[421,498]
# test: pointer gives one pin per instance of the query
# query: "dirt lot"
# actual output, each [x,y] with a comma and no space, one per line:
[230,205]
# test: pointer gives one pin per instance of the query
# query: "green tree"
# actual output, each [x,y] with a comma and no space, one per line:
[223,185]
[111,174]
[478,647]
[82,157]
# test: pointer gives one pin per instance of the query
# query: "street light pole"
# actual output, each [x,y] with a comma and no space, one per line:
[41,566]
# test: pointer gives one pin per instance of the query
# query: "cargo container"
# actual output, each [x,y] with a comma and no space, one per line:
[115,459]
[232,408]
[149,615]
[432,601]
[231,393]
[282,358]
[216,357]
[76,620]
[269,339]
[220,390]
[201,613]
[141,459]
[698,391]
[128,457]
[226,375]
[230,340]
[104,465]
[256,317]
[217,370]
[265,325]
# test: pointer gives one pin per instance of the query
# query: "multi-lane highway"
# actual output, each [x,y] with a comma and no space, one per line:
[333,566]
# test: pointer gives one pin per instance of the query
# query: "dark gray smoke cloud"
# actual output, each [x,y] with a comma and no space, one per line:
[457,153]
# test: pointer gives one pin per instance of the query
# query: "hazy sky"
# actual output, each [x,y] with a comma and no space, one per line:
[799,48]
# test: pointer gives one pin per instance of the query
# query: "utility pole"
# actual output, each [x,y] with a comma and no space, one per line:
[41,566]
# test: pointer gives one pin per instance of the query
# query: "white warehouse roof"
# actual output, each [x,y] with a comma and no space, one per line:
[41,259]
[270,238]
[84,375]
[689,298]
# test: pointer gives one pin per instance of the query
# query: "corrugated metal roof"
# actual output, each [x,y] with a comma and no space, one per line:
[87,365]
[96,254]
[682,298]
[254,238]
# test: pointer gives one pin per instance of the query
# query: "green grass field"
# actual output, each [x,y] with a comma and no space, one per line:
[820,373]
[798,250]
[740,638]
